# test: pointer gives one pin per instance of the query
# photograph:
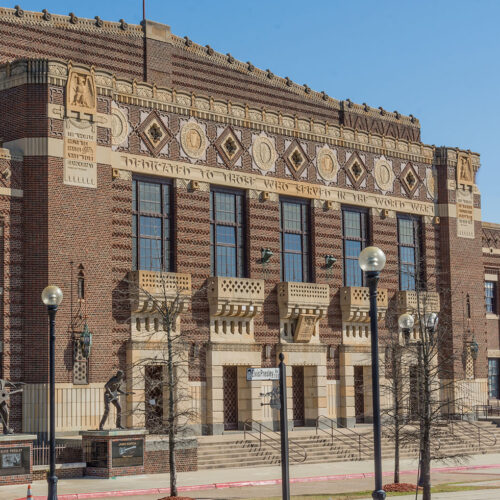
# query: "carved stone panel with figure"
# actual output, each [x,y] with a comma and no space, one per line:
[465,170]
[81,92]
[305,328]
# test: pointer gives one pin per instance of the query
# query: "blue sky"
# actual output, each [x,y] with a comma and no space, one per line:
[439,60]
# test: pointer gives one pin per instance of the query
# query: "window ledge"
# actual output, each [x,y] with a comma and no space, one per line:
[492,316]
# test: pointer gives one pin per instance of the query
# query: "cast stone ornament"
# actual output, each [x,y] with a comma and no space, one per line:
[81,92]
[264,153]
[193,140]
[384,175]
[431,182]
[328,164]
[119,126]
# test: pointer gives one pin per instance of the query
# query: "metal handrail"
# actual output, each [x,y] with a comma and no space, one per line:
[488,437]
[297,453]
[346,435]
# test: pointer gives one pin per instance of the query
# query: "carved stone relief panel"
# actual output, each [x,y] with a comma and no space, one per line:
[431,181]
[465,170]
[81,91]
[120,127]
[327,164]
[264,153]
[193,140]
[384,175]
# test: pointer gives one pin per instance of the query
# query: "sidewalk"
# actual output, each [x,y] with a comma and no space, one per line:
[227,478]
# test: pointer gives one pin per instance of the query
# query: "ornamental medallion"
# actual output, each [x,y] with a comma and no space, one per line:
[193,140]
[328,164]
[119,126]
[384,176]
[264,153]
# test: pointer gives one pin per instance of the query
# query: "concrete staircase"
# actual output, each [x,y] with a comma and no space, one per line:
[233,450]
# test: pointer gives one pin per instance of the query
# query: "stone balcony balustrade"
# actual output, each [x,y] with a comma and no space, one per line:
[301,306]
[234,303]
[355,307]
[152,289]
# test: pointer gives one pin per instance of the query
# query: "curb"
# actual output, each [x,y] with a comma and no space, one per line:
[240,484]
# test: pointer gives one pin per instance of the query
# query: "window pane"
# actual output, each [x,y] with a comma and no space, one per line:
[225,207]
[149,197]
[493,376]
[226,235]
[226,261]
[353,273]
[293,267]
[490,288]
[291,216]
[150,251]
[406,233]
[151,226]
[293,243]
[352,224]
[166,199]
[352,248]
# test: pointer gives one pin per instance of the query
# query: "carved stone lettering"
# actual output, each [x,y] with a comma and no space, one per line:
[465,214]
[80,164]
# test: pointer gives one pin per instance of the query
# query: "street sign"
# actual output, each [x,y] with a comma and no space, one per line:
[263,374]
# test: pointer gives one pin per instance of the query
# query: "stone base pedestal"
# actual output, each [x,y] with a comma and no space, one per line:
[110,453]
[16,458]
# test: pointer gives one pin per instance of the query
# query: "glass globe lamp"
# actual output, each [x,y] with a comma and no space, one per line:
[372,259]
[52,295]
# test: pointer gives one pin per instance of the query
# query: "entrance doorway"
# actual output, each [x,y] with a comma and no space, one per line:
[298,396]
[414,393]
[154,398]
[230,393]
[359,395]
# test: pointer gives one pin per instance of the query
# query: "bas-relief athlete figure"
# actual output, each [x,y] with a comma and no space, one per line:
[4,399]
[111,395]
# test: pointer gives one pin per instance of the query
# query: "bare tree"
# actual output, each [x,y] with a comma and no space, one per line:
[160,372]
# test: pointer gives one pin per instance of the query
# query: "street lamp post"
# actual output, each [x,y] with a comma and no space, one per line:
[372,261]
[52,297]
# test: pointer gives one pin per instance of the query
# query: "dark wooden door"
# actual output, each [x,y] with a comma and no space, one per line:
[230,391]
[154,399]
[298,396]
[359,395]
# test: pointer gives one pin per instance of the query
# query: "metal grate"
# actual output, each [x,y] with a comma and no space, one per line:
[359,395]
[298,396]
[230,389]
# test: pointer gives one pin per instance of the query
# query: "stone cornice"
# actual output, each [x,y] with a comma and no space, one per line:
[97,25]
[205,107]
[73,23]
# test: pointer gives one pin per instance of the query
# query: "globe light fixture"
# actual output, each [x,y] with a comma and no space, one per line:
[52,295]
[431,321]
[372,259]
[406,323]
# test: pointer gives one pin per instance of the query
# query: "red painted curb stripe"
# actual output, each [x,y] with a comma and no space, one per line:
[264,482]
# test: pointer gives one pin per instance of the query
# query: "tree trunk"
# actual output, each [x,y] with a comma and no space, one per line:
[171,416]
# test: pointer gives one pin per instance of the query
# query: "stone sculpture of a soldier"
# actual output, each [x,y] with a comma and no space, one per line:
[4,399]
[111,395]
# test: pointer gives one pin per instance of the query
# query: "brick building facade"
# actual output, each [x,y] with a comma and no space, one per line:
[131,156]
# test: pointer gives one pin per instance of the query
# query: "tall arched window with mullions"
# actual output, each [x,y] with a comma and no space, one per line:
[227,235]
[152,225]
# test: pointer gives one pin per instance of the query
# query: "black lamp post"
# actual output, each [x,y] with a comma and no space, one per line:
[52,296]
[372,261]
